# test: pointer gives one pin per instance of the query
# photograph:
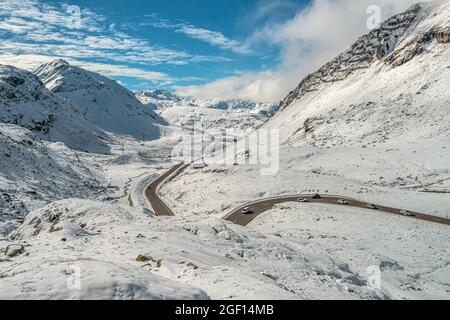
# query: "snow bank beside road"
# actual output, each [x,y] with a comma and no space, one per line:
[136,196]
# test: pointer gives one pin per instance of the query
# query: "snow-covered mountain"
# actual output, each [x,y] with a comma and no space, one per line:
[166,99]
[26,102]
[158,99]
[43,125]
[216,113]
[391,85]
[100,100]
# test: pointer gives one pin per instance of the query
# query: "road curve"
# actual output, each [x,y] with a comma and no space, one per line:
[151,192]
[260,206]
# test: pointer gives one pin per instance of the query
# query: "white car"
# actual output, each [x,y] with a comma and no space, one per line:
[407,213]
[302,200]
[247,210]
[372,206]
[343,202]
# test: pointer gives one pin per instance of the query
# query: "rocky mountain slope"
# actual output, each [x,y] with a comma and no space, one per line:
[389,86]
[100,100]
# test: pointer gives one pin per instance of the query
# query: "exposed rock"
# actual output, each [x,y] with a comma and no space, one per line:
[388,264]
[193,266]
[268,275]
[443,36]
[377,44]
[14,250]
[143,258]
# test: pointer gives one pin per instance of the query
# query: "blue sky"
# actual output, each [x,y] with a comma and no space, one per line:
[255,49]
[193,42]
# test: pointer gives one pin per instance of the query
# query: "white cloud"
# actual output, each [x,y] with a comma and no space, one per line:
[31,28]
[259,86]
[31,62]
[214,38]
[124,71]
[269,11]
[314,35]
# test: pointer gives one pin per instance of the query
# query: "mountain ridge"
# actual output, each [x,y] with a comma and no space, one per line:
[100,100]
[26,102]
[377,45]
[400,95]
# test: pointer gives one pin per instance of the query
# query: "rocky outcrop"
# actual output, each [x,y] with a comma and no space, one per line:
[417,45]
[19,86]
[394,43]
[14,250]
[375,45]
[443,36]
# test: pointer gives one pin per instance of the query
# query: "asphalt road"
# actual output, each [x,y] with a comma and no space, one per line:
[261,206]
[258,207]
[158,205]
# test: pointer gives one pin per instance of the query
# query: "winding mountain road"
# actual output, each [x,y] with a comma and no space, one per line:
[263,205]
[260,206]
[151,192]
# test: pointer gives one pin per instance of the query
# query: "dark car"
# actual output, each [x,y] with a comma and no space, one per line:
[407,213]
[372,206]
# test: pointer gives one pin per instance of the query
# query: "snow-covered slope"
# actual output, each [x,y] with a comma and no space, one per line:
[391,85]
[373,124]
[158,99]
[33,174]
[215,113]
[100,100]
[26,102]
[116,252]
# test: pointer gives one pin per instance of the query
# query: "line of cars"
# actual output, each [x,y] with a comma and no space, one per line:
[407,213]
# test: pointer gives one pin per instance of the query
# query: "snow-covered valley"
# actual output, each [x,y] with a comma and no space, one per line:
[78,151]
[214,113]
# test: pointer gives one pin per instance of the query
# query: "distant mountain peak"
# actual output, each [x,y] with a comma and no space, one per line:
[59,62]
[161,99]
[60,76]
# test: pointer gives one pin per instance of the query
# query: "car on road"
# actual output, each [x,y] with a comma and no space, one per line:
[247,210]
[316,196]
[372,206]
[407,213]
[343,202]
[302,200]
